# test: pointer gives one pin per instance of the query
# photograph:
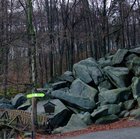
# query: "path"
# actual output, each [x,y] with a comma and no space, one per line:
[124,133]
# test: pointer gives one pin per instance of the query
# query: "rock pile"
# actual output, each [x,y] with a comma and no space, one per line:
[95,92]
[101,91]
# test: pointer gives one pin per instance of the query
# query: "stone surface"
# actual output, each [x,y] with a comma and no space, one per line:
[80,95]
[135,112]
[105,85]
[130,104]
[59,120]
[88,70]
[107,119]
[67,76]
[6,106]
[119,56]
[117,75]
[138,101]
[97,113]
[134,66]
[25,105]
[126,114]
[121,115]
[136,87]
[18,100]
[114,96]
[86,117]
[104,62]
[113,108]
[58,85]
[75,123]
[135,50]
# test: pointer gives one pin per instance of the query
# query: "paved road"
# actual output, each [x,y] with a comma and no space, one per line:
[125,133]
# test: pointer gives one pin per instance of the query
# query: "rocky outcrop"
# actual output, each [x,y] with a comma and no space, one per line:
[88,70]
[79,95]
[96,92]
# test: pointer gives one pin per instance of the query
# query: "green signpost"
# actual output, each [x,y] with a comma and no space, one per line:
[32,96]
[35,95]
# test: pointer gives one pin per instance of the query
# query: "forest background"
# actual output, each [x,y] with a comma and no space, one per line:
[66,31]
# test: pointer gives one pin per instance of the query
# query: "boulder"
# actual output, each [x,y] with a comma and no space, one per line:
[107,119]
[126,114]
[6,106]
[136,87]
[113,108]
[75,123]
[105,85]
[134,65]
[67,76]
[59,106]
[104,62]
[128,60]
[59,85]
[18,100]
[117,76]
[114,96]
[4,100]
[85,117]
[88,70]
[80,95]
[135,112]
[119,56]
[102,111]
[129,104]
[25,105]
[123,113]
[59,120]
[135,50]
[138,101]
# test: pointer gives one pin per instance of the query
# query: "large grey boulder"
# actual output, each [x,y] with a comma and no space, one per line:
[75,123]
[119,56]
[117,75]
[80,95]
[88,70]
[107,119]
[18,100]
[136,87]
[114,96]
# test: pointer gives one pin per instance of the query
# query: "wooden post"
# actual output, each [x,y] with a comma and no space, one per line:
[32,46]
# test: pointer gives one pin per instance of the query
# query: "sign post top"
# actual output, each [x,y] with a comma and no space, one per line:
[32,95]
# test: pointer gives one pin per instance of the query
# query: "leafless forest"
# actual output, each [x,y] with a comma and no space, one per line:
[65,31]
